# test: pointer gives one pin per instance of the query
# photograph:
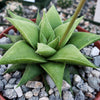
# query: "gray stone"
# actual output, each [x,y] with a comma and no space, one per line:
[34,98]
[43,89]
[67,95]
[18,80]
[21,98]
[9,86]
[65,85]
[34,84]
[1,85]
[75,90]
[82,86]
[58,98]
[17,74]
[1,77]
[12,80]
[44,98]
[18,91]
[24,88]
[50,81]
[80,96]
[4,67]
[43,94]
[52,97]
[7,76]
[90,89]
[94,82]
[11,32]
[96,60]
[36,91]
[95,51]
[1,71]
[28,95]
[4,81]
[4,40]
[10,93]
[8,40]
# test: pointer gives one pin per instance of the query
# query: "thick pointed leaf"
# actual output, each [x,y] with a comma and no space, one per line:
[60,30]
[71,55]
[56,71]
[20,52]
[82,39]
[53,17]
[28,30]
[14,38]
[67,75]
[45,50]
[54,43]
[43,39]
[38,18]
[15,67]
[46,30]
[6,46]
[18,17]
[31,71]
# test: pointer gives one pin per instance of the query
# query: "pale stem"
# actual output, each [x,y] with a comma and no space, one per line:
[82,2]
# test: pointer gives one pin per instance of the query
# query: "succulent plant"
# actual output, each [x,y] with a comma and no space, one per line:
[45,46]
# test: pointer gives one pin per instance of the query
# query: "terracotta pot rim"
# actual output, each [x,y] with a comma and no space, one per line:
[1,97]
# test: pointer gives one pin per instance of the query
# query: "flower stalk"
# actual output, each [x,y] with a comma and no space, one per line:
[81,4]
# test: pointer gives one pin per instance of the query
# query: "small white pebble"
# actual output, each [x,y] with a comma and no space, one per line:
[50,91]
[1,29]
[95,73]
[28,95]
[44,98]
[77,78]
[18,91]
[95,51]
